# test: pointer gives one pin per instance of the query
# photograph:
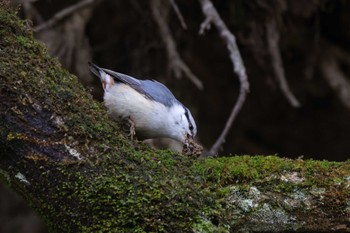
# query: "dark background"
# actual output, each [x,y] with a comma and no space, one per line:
[123,36]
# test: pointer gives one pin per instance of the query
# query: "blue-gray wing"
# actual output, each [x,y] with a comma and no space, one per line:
[153,90]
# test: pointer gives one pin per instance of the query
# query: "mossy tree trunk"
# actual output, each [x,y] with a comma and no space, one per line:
[59,150]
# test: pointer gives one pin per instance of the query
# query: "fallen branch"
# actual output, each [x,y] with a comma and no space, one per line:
[64,14]
[212,16]
[272,37]
[176,64]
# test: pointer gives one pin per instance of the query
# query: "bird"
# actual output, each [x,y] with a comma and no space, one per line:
[150,107]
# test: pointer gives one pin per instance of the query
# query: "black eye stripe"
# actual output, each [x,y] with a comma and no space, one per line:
[189,121]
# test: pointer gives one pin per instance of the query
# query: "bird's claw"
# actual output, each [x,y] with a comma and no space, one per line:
[132,131]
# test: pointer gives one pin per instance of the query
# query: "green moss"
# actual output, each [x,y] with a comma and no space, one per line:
[130,193]
[128,187]
[62,94]
[206,226]
[240,179]
[24,42]
[227,170]
[4,176]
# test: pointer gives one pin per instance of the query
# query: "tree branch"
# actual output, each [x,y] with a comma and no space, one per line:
[212,16]
[176,64]
[30,12]
[272,35]
[64,14]
[73,50]
[69,161]
[178,13]
[335,77]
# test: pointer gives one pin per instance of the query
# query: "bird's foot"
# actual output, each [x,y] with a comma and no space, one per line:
[132,131]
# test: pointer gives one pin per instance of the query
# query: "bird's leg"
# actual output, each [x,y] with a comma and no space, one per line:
[132,132]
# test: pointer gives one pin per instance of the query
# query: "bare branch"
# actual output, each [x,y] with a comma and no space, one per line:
[205,26]
[312,57]
[212,16]
[176,64]
[333,74]
[30,12]
[136,5]
[64,14]
[338,53]
[272,36]
[73,49]
[178,13]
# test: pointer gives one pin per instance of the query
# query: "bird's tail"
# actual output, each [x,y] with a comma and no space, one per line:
[106,79]
[95,69]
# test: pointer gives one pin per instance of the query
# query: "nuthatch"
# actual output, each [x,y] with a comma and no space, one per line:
[151,107]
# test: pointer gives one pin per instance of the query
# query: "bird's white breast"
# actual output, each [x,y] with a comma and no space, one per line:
[150,118]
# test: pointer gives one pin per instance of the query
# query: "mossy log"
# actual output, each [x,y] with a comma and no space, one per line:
[69,161]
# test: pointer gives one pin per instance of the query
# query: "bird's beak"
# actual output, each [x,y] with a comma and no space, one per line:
[189,136]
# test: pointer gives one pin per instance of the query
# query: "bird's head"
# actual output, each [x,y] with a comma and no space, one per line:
[183,124]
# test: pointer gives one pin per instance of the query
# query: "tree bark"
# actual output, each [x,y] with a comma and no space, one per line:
[59,150]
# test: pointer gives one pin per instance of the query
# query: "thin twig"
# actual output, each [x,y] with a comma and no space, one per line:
[336,79]
[212,16]
[177,65]
[178,13]
[272,35]
[73,49]
[340,54]
[30,11]
[136,5]
[330,62]
[64,14]
[312,58]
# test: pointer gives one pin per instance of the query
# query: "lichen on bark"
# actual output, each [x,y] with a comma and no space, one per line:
[269,191]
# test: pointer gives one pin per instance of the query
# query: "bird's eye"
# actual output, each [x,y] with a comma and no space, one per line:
[191,127]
